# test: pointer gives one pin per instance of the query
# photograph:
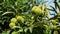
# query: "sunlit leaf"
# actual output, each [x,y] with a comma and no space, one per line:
[8,13]
[30,28]
[25,30]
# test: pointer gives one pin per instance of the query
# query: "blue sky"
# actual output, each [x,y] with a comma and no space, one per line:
[48,3]
[51,4]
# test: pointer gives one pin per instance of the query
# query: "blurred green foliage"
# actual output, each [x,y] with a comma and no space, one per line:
[33,24]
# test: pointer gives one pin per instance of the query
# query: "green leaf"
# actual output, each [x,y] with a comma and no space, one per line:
[20,30]
[30,28]
[25,30]
[16,27]
[14,32]
[0,21]
[7,13]
[6,32]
